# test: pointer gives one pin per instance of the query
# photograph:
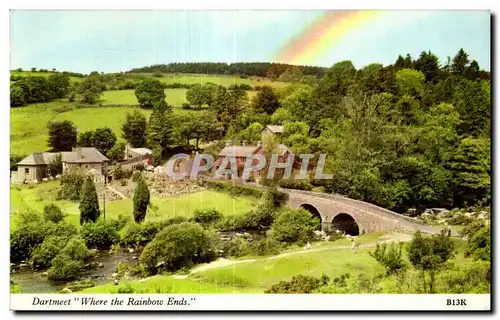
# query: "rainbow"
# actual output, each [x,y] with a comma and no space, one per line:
[323,34]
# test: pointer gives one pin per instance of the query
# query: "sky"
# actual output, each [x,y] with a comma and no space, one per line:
[114,41]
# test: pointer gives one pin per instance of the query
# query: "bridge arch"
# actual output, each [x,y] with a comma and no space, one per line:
[346,223]
[315,212]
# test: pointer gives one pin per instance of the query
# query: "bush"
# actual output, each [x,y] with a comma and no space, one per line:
[293,225]
[267,246]
[177,246]
[260,218]
[237,247]
[25,239]
[141,234]
[71,184]
[207,216]
[120,222]
[44,253]
[473,278]
[230,223]
[295,184]
[126,289]
[299,284]
[390,256]
[52,213]
[69,263]
[64,269]
[100,234]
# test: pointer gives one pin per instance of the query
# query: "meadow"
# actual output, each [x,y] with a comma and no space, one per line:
[35,197]
[257,274]
[28,124]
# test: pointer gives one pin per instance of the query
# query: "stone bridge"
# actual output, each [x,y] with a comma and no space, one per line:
[354,217]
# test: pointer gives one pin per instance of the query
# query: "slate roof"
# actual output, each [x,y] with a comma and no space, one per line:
[86,155]
[141,151]
[237,151]
[39,158]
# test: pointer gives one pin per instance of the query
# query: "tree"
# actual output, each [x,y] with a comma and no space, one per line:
[428,254]
[85,139]
[266,101]
[134,129]
[177,246]
[252,133]
[229,105]
[91,89]
[103,139]
[150,92]
[460,62]
[409,82]
[59,85]
[390,256]
[62,135]
[17,95]
[293,225]
[470,168]
[199,126]
[473,101]
[89,204]
[199,95]
[428,63]
[117,152]
[159,131]
[141,200]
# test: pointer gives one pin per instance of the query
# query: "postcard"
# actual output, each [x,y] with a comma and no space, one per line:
[244,160]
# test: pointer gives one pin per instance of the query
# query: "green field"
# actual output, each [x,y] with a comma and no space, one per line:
[42,74]
[261,273]
[35,197]
[28,124]
[224,80]
[175,97]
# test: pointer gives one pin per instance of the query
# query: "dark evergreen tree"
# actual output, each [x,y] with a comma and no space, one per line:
[460,62]
[428,63]
[62,135]
[141,200]
[89,204]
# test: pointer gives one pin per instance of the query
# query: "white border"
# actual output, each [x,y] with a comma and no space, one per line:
[186,4]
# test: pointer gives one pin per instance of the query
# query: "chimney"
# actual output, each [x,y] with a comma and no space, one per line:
[229,143]
[244,143]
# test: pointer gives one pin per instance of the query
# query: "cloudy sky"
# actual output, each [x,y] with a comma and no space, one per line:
[112,41]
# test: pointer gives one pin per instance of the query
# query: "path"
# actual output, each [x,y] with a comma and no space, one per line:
[222,262]
[121,195]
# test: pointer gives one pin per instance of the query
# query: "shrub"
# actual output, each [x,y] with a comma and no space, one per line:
[473,278]
[237,247]
[207,216]
[71,184]
[100,234]
[177,246]
[260,218]
[299,284]
[293,225]
[274,197]
[140,234]
[64,269]
[267,246]
[44,253]
[120,222]
[25,239]
[69,263]
[230,223]
[126,289]
[390,256]
[53,213]
[295,184]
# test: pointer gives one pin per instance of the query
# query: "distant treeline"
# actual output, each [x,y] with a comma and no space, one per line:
[260,69]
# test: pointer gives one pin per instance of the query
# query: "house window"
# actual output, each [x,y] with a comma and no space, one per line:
[26,170]
[86,166]
[130,156]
